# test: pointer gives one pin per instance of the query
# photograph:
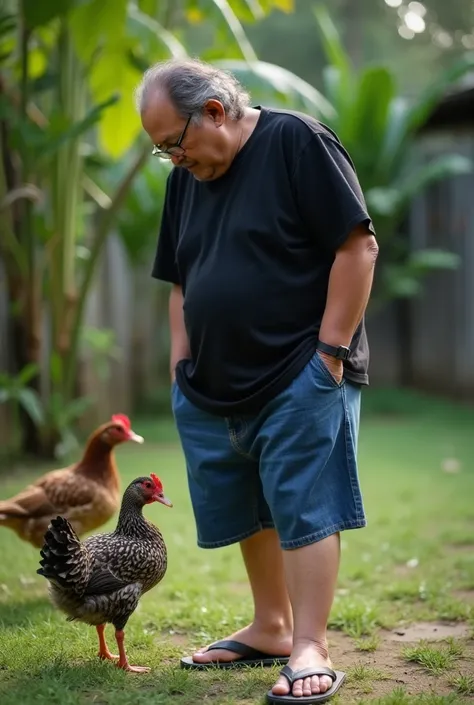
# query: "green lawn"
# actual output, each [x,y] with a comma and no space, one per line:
[411,568]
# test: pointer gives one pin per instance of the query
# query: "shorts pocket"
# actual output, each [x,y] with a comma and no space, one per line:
[175,395]
[320,368]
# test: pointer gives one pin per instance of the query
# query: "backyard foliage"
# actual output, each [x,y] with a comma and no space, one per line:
[72,148]
[379,127]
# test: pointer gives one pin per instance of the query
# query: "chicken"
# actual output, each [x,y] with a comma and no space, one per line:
[101,579]
[86,493]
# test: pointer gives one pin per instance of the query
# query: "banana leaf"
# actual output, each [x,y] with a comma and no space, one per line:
[272,84]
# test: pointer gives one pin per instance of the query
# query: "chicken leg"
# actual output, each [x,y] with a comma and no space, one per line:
[123,661]
[104,652]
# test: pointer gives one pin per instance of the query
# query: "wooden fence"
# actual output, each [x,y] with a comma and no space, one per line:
[440,339]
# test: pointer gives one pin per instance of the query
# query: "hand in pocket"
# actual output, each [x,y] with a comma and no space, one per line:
[333,365]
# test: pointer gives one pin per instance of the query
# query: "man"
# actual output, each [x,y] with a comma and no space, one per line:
[267,243]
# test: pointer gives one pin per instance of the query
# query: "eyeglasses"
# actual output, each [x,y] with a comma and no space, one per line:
[174,150]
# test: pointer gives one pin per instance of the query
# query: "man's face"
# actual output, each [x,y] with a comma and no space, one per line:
[201,146]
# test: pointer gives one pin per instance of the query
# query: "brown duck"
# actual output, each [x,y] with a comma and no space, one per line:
[86,493]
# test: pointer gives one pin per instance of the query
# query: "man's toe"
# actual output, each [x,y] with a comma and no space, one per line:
[281,687]
[297,688]
[308,686]
[205,656]
[324,684]
[311,686]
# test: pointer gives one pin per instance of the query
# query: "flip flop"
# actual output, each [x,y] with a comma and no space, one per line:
[292,676]
[248,657]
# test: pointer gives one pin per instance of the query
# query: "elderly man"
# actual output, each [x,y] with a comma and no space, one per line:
[267,243]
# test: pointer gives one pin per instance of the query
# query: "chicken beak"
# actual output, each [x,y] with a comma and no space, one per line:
[132,436]
[163,500]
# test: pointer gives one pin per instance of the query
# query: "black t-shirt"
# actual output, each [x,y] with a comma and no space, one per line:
[252,251]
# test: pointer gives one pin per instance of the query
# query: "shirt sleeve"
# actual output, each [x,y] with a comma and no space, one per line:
[328,193]
[165,267]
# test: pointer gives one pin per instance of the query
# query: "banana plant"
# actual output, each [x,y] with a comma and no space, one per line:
[15,392]
[69,69]
[379,128]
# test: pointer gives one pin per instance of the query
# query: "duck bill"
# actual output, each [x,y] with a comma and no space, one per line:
[163,500]
[132,436]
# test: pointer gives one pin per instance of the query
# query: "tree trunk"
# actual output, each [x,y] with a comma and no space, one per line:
[18,335]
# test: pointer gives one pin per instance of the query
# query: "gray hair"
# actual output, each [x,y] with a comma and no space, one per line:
[190,83]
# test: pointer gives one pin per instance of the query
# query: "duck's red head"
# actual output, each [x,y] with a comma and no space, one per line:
[154,490]
[120,430]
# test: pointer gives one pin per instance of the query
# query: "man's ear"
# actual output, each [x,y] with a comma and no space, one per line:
[215,111]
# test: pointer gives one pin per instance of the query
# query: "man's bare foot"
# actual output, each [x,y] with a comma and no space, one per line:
[276,641]
[306,656]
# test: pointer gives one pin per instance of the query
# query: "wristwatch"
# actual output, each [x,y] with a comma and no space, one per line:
[340,352]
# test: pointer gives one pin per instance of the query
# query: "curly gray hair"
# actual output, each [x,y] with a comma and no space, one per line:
[190,83]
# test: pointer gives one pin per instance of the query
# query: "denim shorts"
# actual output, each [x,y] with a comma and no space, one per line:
[292,466]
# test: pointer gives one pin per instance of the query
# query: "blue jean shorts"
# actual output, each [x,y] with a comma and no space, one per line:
[291,467]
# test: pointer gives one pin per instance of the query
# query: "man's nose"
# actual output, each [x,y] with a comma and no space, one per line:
[176,159]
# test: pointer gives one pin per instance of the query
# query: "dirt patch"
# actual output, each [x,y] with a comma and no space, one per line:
[386,668]
[431,631]
[464,595]
[460,548]
[371,675]
[176,638]
[405,570]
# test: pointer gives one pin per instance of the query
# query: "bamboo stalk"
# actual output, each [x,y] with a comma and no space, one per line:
[58,186]
[32,311]
[75,109]
[105,220]
[88,184]
[68,197]
[10,247]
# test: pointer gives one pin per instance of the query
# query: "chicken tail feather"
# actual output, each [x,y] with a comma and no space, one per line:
[65,561]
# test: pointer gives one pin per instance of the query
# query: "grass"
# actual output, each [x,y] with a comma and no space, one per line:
[464,684]
[367,644]
[413,564]
[434,659]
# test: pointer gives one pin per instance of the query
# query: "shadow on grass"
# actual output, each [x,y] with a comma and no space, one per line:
[103,684]
[24,613]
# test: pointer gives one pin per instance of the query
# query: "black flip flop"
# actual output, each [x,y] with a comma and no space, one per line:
[292,676]
[248,657]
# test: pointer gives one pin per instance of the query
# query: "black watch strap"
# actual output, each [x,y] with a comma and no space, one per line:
[341,352]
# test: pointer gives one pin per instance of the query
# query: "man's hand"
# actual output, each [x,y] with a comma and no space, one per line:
[349,287]
[334,366]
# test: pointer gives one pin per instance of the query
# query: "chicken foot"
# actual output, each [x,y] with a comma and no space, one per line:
[104,652]
[123,661]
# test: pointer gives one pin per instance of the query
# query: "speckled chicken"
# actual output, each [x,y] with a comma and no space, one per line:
[101,579]
[87,493]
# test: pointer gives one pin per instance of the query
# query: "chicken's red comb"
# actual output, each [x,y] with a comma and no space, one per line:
[157,481]
[124,420]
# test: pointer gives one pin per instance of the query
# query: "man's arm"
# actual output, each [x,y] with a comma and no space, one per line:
[331,203]
[350,284]
[165,268]
[179,338]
